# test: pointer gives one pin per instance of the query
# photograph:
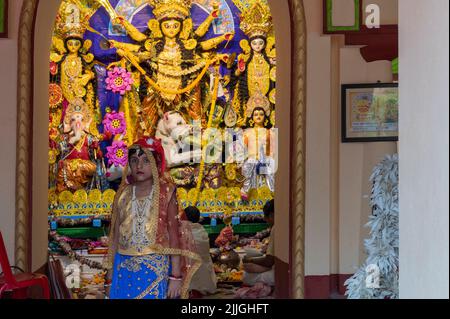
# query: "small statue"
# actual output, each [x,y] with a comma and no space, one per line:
[70,52]
[226,241]
[259,168]
[78,149]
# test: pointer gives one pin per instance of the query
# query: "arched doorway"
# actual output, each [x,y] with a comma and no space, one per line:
[31,177]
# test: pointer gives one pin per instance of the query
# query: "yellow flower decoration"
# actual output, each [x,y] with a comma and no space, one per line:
[273,74]
[265,193]
[230,172]
[108,196]
[234,194]
[253,194]
[227,216]
[65,197]
[192,196]
[208,195]
[80,196]
[52,197]
[222,194]
[95,196]
[52,156]
[182,194]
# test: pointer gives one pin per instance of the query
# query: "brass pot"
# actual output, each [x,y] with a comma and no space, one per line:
[230,258]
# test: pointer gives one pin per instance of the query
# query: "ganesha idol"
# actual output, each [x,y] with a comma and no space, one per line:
[78,149]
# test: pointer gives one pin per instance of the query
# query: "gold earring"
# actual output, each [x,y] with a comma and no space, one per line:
[252,123]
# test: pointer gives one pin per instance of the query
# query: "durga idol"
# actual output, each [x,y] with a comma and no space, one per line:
[171,59]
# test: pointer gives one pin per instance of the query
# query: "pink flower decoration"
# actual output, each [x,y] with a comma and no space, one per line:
[53,68]
[114,123]
[118,153]
[119,80]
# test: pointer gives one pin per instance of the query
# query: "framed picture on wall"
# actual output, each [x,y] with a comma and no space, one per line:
[342,16]
[3,18]
[369,112]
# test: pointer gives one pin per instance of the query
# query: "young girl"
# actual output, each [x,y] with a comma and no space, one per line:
[151,253]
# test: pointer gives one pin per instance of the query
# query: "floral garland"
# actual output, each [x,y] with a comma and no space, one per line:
[63,243]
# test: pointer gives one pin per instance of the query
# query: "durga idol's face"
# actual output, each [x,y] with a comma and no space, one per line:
[171,28]
[73,45]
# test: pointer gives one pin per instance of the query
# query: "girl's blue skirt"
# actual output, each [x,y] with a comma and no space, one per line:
[143,277]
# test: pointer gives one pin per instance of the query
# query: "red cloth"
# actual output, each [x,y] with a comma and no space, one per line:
[225,237]
[154,145]
[83,153]
[259,290]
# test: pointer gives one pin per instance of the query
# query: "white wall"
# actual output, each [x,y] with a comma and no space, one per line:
[356,163]
[317,219]
[424,137]
[334,221]
[8,93]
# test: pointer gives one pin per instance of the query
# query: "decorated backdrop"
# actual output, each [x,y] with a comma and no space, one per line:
[198,74]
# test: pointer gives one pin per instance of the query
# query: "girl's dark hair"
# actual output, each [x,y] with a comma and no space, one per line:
[269,208]
[133,151]
[192,214]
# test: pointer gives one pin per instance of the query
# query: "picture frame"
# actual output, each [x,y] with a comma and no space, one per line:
[3,18]
[369,112]
[331,27]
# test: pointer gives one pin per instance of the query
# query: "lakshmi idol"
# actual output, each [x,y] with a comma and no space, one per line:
[256,69]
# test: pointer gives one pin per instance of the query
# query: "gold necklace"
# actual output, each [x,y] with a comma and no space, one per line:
[259,75]
[73,66]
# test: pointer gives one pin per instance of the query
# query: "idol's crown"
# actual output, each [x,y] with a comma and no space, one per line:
[257,20]
[176,9]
